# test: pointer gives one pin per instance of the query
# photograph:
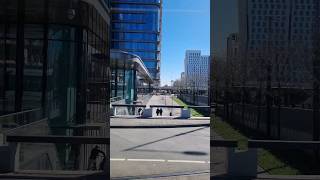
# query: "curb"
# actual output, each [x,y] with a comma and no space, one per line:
[160,126]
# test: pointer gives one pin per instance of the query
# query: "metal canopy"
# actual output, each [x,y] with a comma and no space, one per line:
[124,60]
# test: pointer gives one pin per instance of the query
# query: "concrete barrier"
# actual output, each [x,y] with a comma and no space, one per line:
[7,156]
[185,114]
[239,163]
[242,163]
[147,113]
[113,111]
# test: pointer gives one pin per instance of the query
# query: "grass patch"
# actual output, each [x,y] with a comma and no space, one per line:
[269,162]
[194,113]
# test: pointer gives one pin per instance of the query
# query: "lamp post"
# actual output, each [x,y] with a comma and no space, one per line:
[171,97]
[269,69]
[316,66]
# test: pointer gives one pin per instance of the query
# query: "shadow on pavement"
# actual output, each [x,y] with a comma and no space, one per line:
[162,139]
[173,175]
[193,153]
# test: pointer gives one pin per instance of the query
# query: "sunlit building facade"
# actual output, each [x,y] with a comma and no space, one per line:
[196,70]
[136,28]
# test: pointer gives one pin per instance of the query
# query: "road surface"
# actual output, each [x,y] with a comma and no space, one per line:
[160,153]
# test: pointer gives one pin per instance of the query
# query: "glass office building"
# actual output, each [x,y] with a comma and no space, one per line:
[54,56]
[136,28]
[127,72]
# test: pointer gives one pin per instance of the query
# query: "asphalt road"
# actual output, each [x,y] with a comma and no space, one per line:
[164,153]
[179,153]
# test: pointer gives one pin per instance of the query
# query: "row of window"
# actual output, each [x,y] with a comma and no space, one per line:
[284,1]
[254,43]
[277,12]
[135,30]
[265,33]
[281,6]
[137,1]
[134,36]
[136,46]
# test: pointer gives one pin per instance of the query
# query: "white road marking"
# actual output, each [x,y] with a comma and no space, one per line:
[147,160]
[186,161]
[160,160]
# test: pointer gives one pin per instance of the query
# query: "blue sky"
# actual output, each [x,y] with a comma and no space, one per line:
[186,25]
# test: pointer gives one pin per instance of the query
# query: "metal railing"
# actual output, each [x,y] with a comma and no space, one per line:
[115,99]
[127,109]
[249,157]
[13,121]
[133,109]
[85,144]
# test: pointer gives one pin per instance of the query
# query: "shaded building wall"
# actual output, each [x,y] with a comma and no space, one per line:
[55,56]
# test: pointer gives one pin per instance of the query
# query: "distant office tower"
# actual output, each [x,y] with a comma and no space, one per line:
[196,69]
[136,28]
[278,34]
[183,79]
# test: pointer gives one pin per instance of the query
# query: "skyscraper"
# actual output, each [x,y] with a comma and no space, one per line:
[196,69]
[280,33]
[136,28]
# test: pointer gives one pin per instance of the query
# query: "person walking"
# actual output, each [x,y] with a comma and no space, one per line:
[92,165]
[157,111]
[161,111]
[139,111]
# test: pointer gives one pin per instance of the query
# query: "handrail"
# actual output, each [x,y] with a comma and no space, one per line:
[207,107]
[278,144]
[128,105]
[59,139]
[223,143]
[165,106]
[24,126]
[18,113]
[114,99]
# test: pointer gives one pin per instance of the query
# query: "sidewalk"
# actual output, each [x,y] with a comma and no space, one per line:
[164,100]
[156,123]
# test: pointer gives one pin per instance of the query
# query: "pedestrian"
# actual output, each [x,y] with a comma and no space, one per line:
[102,164]
[157,111]
[161,111]
[93,158]
[139,111]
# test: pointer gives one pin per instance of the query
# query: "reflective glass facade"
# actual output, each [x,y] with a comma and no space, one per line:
[127,72]
[136,27]
[54,55]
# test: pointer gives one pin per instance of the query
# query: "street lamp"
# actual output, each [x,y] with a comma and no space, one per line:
[269,69]
[171,97]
